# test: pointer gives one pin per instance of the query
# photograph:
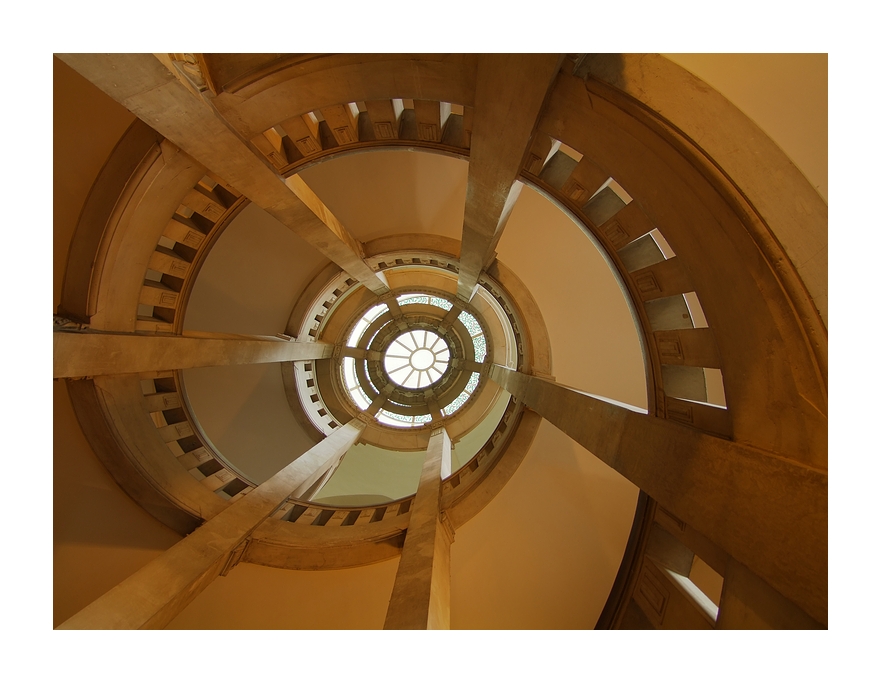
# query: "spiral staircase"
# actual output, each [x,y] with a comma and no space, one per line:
[704,247]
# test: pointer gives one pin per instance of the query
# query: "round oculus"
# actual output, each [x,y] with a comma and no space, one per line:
[416,359]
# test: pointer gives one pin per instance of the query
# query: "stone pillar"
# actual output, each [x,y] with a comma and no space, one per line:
[155,594]
[92,354]
[767,511]
[750,603]
[421,594]
[509,94]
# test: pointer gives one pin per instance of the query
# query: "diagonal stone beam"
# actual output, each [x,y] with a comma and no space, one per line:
[91,354]
[766,511]
[145,86]
[510,93]
[421,594]
[154,595]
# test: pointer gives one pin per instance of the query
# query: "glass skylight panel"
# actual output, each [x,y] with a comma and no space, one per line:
[407,299]
[360,398]
[479,348]
[472,383]
[375,312]
[457,403]
[370,341]
[470,323]
[382,417]
[394,419]
[357,332]
[349,373]
[363,324]
[416,359]
[440,303]
[370,381]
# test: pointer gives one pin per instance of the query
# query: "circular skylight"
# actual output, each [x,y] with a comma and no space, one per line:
[416,359]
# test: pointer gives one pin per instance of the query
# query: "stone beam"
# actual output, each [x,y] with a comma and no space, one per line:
[155,594]
[91,354]
[421,594]
[767,511]
[750,603]
[146,87]
[510,93]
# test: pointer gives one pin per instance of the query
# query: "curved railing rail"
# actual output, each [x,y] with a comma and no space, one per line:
[318,514]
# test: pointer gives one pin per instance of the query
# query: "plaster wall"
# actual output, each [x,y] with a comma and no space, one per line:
[785,94]
[99,535]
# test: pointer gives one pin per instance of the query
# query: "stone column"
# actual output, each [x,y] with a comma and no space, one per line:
[421,594]
[750,603]
[91,354]
[155,594]
[509,94]
[765,510]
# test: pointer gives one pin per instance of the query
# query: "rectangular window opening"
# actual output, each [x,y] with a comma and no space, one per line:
[715,387]
[662,243]
[695,310]
[706,580]
[569,152]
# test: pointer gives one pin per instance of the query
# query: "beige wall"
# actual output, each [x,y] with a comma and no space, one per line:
[785,94]
[86,126]
[100,536]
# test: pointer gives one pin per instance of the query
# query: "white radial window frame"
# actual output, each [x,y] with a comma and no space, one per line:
[398,363]
[416,359]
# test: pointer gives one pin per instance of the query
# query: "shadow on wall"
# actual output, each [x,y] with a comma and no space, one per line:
[609,68]
[85,491]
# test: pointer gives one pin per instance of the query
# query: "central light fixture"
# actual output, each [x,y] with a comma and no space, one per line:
[416,359]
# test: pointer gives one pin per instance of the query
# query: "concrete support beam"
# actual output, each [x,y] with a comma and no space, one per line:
[155,594]
[750,603]
[380,400]
[421,594]
[768,512]
[508,100]
[91,354]
[144,86]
